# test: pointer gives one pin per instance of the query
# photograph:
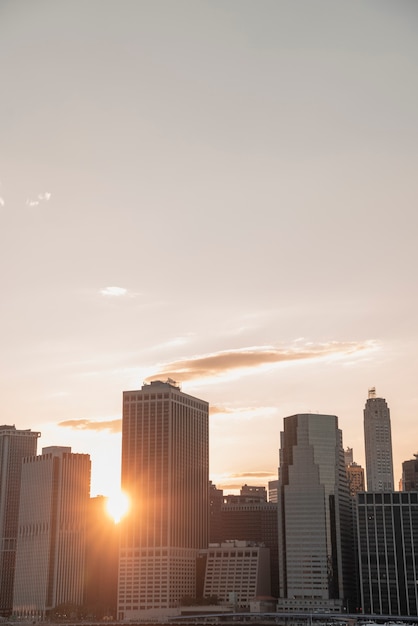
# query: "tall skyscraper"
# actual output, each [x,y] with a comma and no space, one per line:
[316,546]
[14,445]
[165,472]
[50,555]
[378,444]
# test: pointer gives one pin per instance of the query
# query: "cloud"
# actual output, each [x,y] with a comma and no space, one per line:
[114,291]
[222,362]
[31,203]
[41,197]
[259,474]
[2,202]
[114,426]
[44,196]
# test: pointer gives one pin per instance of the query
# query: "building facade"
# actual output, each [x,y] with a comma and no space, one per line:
[237,572]
[410,474]
[316,547]
[387,527]
[50,555]
[14,445]
[355,475]
[378,444]
[252,518]
[165,473]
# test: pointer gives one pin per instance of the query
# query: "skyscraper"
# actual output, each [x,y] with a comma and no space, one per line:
[378,444]
[14,445]
[315,524]
[410,474]
[388,552]
[165,472]
[50,555]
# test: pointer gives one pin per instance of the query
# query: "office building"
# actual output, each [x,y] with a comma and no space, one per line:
[50,555]
[273,489]
[410,474]
[166,476]
[378,444]
[237,572]
[388,552]
[252,518]
[253,491]
[14,445]
[316,547]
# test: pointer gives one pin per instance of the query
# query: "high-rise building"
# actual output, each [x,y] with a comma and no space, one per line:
[165,472]
[410,474]
[388,552]
[14,445]
[50,555]
[316,546]
[378,444]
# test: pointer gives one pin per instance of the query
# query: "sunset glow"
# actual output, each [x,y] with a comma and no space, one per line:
[117,506]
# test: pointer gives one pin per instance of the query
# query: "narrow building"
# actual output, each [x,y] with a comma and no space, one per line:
[14,446]
[378,444]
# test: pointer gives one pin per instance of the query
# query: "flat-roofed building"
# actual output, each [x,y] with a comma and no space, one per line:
[14,446]
[237,572]
[50,555]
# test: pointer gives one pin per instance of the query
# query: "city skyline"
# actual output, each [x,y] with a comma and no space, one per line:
[219,193]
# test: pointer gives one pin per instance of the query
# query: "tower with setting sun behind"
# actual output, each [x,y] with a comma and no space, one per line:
[165,473]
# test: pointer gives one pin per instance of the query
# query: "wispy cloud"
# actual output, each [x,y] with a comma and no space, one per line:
[114,291]
[113,426]
[41,197]
[218,363]
[2,202]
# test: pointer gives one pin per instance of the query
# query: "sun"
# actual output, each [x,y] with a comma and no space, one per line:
[117,506]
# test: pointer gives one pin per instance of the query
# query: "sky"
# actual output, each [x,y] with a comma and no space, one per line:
[220,192]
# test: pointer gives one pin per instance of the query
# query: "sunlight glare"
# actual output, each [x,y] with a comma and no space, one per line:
[117,506]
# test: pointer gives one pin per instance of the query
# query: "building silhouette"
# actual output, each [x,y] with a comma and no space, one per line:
[378,444]
[410,474]
[102,557]
[316,547]
[50,555]
[388,552]
[14,445]
[166,475]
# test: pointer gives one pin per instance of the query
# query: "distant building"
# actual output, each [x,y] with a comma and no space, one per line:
[355,475]
[251,491]
[50,555]
[14,445]
[273,487]
[102,555]
[410,474]
[348,456]
[165,472]
[316,547]
[215,505]
[237,572]
[388,552]
[378,444]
